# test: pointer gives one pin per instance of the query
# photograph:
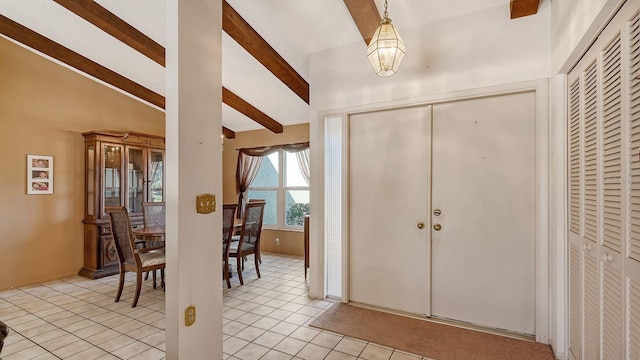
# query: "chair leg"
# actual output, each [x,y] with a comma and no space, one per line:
[138,287]
[226,273]
[146,276]
[161,278]
[256,259]
[154,278]
[120,285]
[239,261]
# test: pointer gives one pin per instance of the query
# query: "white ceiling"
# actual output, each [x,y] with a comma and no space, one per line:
[294,28]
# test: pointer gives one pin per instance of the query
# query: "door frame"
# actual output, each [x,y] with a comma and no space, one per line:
[540,87]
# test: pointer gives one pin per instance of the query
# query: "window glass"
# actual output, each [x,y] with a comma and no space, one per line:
[268,173]
[270,216]
[280,182]
[293,174]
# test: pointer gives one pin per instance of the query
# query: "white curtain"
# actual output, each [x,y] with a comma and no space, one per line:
[303,162]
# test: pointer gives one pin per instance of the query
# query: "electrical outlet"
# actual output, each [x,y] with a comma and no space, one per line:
[278,241]
[190,315]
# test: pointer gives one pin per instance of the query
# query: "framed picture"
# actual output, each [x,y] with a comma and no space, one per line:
[39,174]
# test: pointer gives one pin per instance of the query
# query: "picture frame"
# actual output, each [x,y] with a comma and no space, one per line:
[39,174]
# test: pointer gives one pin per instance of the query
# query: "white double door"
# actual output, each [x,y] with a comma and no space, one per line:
[442,210]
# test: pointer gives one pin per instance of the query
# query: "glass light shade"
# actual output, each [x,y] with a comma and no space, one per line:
[386,49]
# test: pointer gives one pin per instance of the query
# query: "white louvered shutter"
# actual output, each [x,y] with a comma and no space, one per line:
[575,199]
[574,157]
[575,308]
[612,146]
[590,266]
[632,264]
[590,299]
[611,289]
[591,308]
[634,138]
[612,313]
[604,188]
[590,153]
[633,320]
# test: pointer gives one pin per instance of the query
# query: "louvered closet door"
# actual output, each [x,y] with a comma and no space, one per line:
[590,289]
[604,194]
[632,247]
[575,255]
[611,280]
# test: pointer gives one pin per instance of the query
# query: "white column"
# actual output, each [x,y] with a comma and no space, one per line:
[194,166]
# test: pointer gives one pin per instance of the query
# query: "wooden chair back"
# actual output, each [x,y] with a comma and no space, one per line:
[228,214]
[153,213]
[252,223]
[122,235]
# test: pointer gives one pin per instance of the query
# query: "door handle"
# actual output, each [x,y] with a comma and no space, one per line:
[437,227]
[420,225]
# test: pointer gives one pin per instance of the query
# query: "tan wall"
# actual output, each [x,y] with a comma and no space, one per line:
[291,242]
[44,108]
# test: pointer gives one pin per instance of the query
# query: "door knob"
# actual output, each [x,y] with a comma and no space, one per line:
[420,225]
[437,227]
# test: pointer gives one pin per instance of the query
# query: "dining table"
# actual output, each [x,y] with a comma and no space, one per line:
[154,233]
[153,236]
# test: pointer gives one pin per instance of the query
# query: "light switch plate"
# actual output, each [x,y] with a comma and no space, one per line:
[205,203]
[190,315]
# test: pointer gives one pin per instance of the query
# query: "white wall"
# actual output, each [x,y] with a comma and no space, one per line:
[474,50]
[570,21]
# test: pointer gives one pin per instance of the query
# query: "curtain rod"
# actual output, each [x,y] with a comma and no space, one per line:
[271,146]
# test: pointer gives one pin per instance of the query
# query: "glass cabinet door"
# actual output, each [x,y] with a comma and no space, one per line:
[112,179]
[156,176]
[135,179]
[91,180]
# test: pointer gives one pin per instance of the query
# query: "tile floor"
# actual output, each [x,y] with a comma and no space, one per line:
[266,319]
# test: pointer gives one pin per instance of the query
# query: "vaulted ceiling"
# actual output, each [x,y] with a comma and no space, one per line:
[265,45]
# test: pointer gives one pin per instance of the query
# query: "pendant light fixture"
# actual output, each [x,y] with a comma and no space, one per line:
[386,49]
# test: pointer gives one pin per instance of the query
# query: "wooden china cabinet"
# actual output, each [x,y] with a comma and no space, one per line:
[121,169]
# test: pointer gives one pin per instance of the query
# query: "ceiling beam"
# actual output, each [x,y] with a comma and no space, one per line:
[236,27]
[366,16]
[92,12]
[250,111]
[30,38]
[116,27]
[520,8]
[228,133]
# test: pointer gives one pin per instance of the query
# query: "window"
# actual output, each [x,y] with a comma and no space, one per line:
[280,182]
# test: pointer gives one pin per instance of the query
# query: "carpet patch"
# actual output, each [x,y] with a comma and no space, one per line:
[426,338]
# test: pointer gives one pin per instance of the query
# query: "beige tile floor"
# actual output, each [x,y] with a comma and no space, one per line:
[266,319]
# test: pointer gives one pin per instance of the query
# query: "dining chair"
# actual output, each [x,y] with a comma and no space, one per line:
[257,200]
[228,214]
[153,214]
[248,242]
[131,258]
